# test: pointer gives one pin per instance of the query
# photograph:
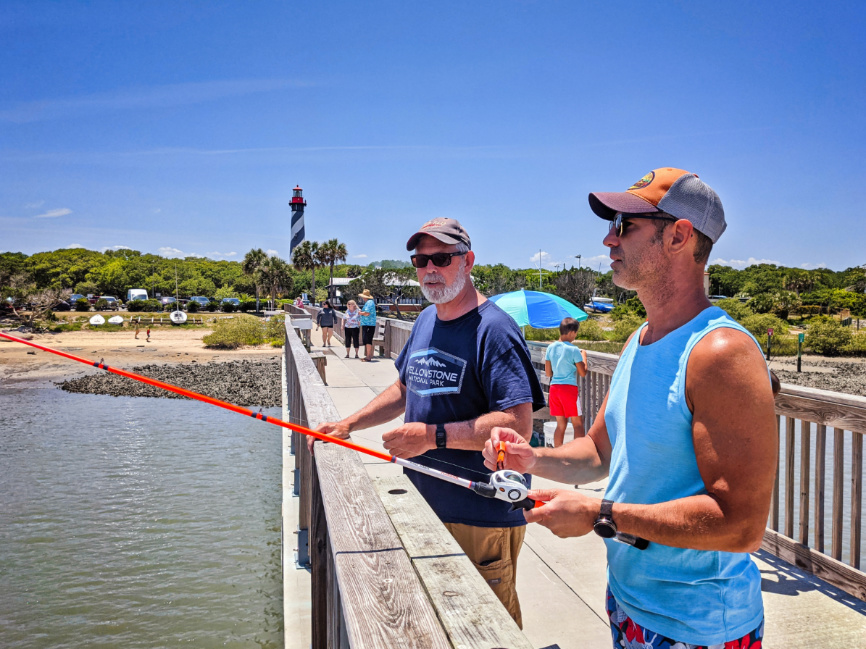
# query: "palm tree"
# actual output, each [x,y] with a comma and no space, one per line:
[252,264]
[276,274]
[333,252]
[308,257]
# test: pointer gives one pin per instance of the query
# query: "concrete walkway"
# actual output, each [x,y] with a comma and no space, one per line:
[561,582]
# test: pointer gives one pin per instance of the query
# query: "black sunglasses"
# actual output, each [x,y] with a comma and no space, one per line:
[621,221]
[439,259]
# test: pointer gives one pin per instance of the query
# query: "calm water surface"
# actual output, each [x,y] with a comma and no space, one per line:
[134,522]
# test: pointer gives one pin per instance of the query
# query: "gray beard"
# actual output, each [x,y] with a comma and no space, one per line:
[446,294]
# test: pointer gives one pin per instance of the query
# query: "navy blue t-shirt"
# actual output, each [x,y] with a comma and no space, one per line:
[457,370]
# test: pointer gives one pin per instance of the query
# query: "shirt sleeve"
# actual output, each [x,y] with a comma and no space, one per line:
[510,379]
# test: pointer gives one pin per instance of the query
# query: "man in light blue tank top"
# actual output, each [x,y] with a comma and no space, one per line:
[686,434]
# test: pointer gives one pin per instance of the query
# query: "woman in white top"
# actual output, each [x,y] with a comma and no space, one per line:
[352,327]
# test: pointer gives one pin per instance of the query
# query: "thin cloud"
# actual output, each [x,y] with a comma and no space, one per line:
[115,248]
[359,256]
[140,98]
[53,214]
[272,253]
[812,266]
[220,254]
[740,264]
[34,206]
[168,251]
[73,245]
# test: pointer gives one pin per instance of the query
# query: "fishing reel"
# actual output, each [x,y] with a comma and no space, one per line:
[507,485]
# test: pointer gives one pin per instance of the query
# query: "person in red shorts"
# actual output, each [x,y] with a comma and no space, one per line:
[562,363]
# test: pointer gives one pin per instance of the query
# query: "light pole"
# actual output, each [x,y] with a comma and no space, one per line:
[578,262]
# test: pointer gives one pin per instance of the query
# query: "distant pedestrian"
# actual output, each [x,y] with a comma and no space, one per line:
[325,320]
[136,331]
[148,334]
[299,302]
[368,323]
[562,363]
[352,326]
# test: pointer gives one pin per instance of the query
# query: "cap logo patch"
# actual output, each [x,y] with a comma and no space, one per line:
[433,223]
[643,182]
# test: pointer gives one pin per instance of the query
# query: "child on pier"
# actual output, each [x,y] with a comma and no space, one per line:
[563,362]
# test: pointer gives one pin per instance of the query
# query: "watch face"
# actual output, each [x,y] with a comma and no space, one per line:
[605,528]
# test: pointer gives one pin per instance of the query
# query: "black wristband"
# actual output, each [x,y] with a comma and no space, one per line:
[440,436]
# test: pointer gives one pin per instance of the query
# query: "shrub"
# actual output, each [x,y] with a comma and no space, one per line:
[248,305]
[857,347]
[275,330]
[625,326]
[192,306]
[758,323]
[590,330]
[81,304]
[101,304]
[734,308]
[826,336]
[228,307]
[633,305]
[143,305]
[231,333]
[541,335]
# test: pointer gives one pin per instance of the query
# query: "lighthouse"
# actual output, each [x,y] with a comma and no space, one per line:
[298,204]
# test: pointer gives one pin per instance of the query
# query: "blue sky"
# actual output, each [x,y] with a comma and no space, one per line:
[180,128]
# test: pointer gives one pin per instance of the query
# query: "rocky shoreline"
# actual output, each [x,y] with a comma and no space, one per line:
[243,383]
[837,376]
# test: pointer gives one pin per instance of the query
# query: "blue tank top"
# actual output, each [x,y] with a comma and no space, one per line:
[693,596]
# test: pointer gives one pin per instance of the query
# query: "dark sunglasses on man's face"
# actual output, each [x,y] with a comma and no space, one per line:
[621,221]
[439,259]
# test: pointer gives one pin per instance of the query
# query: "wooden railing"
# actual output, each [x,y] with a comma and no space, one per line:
[384,571]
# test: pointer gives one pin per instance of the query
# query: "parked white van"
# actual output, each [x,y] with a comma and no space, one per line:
[136,294]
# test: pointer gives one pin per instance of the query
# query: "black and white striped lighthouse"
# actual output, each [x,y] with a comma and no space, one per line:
[298,204]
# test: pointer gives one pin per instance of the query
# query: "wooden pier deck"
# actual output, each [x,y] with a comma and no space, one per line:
[561,582]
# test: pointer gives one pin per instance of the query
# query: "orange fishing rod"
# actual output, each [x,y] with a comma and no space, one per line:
[504,485]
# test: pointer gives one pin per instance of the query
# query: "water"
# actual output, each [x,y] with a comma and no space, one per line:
[828,489]
[137,522]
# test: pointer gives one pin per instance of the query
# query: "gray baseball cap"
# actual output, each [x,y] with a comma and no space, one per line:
[446,230]
[674,191]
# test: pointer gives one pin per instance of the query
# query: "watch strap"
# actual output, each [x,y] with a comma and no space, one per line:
[606,509]
[441,438]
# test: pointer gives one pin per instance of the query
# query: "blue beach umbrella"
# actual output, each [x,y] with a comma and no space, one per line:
[537,309]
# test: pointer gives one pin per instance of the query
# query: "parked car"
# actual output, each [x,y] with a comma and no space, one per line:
[201,300]
[74,298]
[236,303]
[62,305]
[136,294]
[167,303]
[113,302]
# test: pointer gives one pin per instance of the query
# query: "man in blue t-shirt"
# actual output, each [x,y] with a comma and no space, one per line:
[464,371]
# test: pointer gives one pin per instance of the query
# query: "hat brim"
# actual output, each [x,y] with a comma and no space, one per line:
[607,204]
[444,238]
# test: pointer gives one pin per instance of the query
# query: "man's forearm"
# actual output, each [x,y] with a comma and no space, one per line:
[387,406]
[697,522]
[576,462]
[471,435]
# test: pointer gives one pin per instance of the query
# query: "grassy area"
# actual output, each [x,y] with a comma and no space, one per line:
[246,330]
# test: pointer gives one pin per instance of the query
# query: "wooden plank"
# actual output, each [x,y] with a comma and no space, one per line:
[856,497]
[820,406]
[789,476]
[805,472]
[383,602]
[472,615]
[834,572]
[320,579]
[774,503]
[820,477]
[838,490]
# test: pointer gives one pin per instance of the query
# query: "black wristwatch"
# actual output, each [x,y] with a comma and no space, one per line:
[440,436]
[604,525]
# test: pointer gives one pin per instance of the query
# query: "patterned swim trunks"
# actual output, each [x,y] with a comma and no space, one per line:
[629,635]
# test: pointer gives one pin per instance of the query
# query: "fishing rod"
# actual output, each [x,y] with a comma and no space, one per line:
[504,485]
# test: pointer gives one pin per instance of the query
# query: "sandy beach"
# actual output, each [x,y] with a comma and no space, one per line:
[168,345]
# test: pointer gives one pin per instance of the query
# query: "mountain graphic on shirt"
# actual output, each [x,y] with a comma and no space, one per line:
[429,361]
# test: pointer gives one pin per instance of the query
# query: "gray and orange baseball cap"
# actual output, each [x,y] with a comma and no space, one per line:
[673,191]
[445,230]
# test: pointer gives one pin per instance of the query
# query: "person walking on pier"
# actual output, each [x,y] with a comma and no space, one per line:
[686,434]
[464,370]
[368,323]
[325,319]
[563,362]
[352,326]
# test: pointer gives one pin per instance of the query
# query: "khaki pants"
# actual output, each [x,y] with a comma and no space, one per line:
[493,551]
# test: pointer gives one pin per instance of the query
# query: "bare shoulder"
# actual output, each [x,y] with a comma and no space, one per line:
[727,360]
